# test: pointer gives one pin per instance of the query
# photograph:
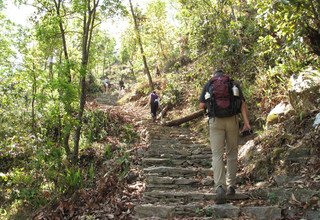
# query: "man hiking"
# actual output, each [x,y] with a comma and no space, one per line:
[223,101]
[106,84]
[121,84]
[154,104]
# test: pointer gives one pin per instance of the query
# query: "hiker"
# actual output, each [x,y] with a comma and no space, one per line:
[157,72]
[121,84]
[154,102]
[106,84]
[223,101]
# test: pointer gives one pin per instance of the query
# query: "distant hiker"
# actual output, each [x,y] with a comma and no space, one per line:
[157,71]
[223,101]
[121,84]
[106,84]
[154,104]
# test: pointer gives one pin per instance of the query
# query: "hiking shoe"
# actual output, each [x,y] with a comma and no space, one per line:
[231,191]
[220,196]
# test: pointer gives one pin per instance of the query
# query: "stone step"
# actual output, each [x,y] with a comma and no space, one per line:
[179,171]
[167,211]
[203,160]
[104,100]
[177,152]
[186,196]
[179,181]
[172,132]
[285,193]
[206,211]
[178,144]
[161,183]
[175,142]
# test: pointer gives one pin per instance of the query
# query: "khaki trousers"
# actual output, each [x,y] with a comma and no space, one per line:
[224,133]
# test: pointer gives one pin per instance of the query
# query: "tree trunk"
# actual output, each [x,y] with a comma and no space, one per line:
[51,67]
[165,110]
[131,68]
[79,118]
[63,37]
[141,47]
[184,119]
[34,93]
[88,26]
[104,65]
[68,107]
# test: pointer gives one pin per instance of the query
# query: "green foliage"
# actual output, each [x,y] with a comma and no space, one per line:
[158,34]
[98,124]
[95,127]
[277,154]
[91,172]
[39,103]
[107,151]
[199,211]
[124,163]
[3,177]
[19,176]
[261,45]
[129,48]
[112,8]
[103,54]
[129,135]
[7,42]
[142,89]
[273,198]
[172,94]
[159,38]
[226,31]
[209,211]
[25,186]
[274,86]
[74,178]
[93,85]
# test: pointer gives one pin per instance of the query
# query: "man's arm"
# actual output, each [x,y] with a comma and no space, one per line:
[245,116]
[202,104]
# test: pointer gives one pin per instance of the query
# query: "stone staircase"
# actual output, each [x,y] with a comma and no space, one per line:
[179,180]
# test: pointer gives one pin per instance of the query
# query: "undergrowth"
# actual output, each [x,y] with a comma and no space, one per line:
[37,172]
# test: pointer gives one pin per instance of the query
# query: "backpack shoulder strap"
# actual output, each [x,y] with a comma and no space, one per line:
[209,84]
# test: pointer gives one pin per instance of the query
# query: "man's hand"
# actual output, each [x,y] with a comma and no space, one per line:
[244,113]
[202,105]
[246,127]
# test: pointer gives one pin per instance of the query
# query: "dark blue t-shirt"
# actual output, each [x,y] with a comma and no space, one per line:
[154,97]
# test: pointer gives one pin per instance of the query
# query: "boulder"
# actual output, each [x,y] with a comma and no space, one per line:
[280,113]
[247,151]
[304,91]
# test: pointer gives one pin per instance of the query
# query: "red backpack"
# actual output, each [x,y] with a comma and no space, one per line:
[221,91]
[223,103]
